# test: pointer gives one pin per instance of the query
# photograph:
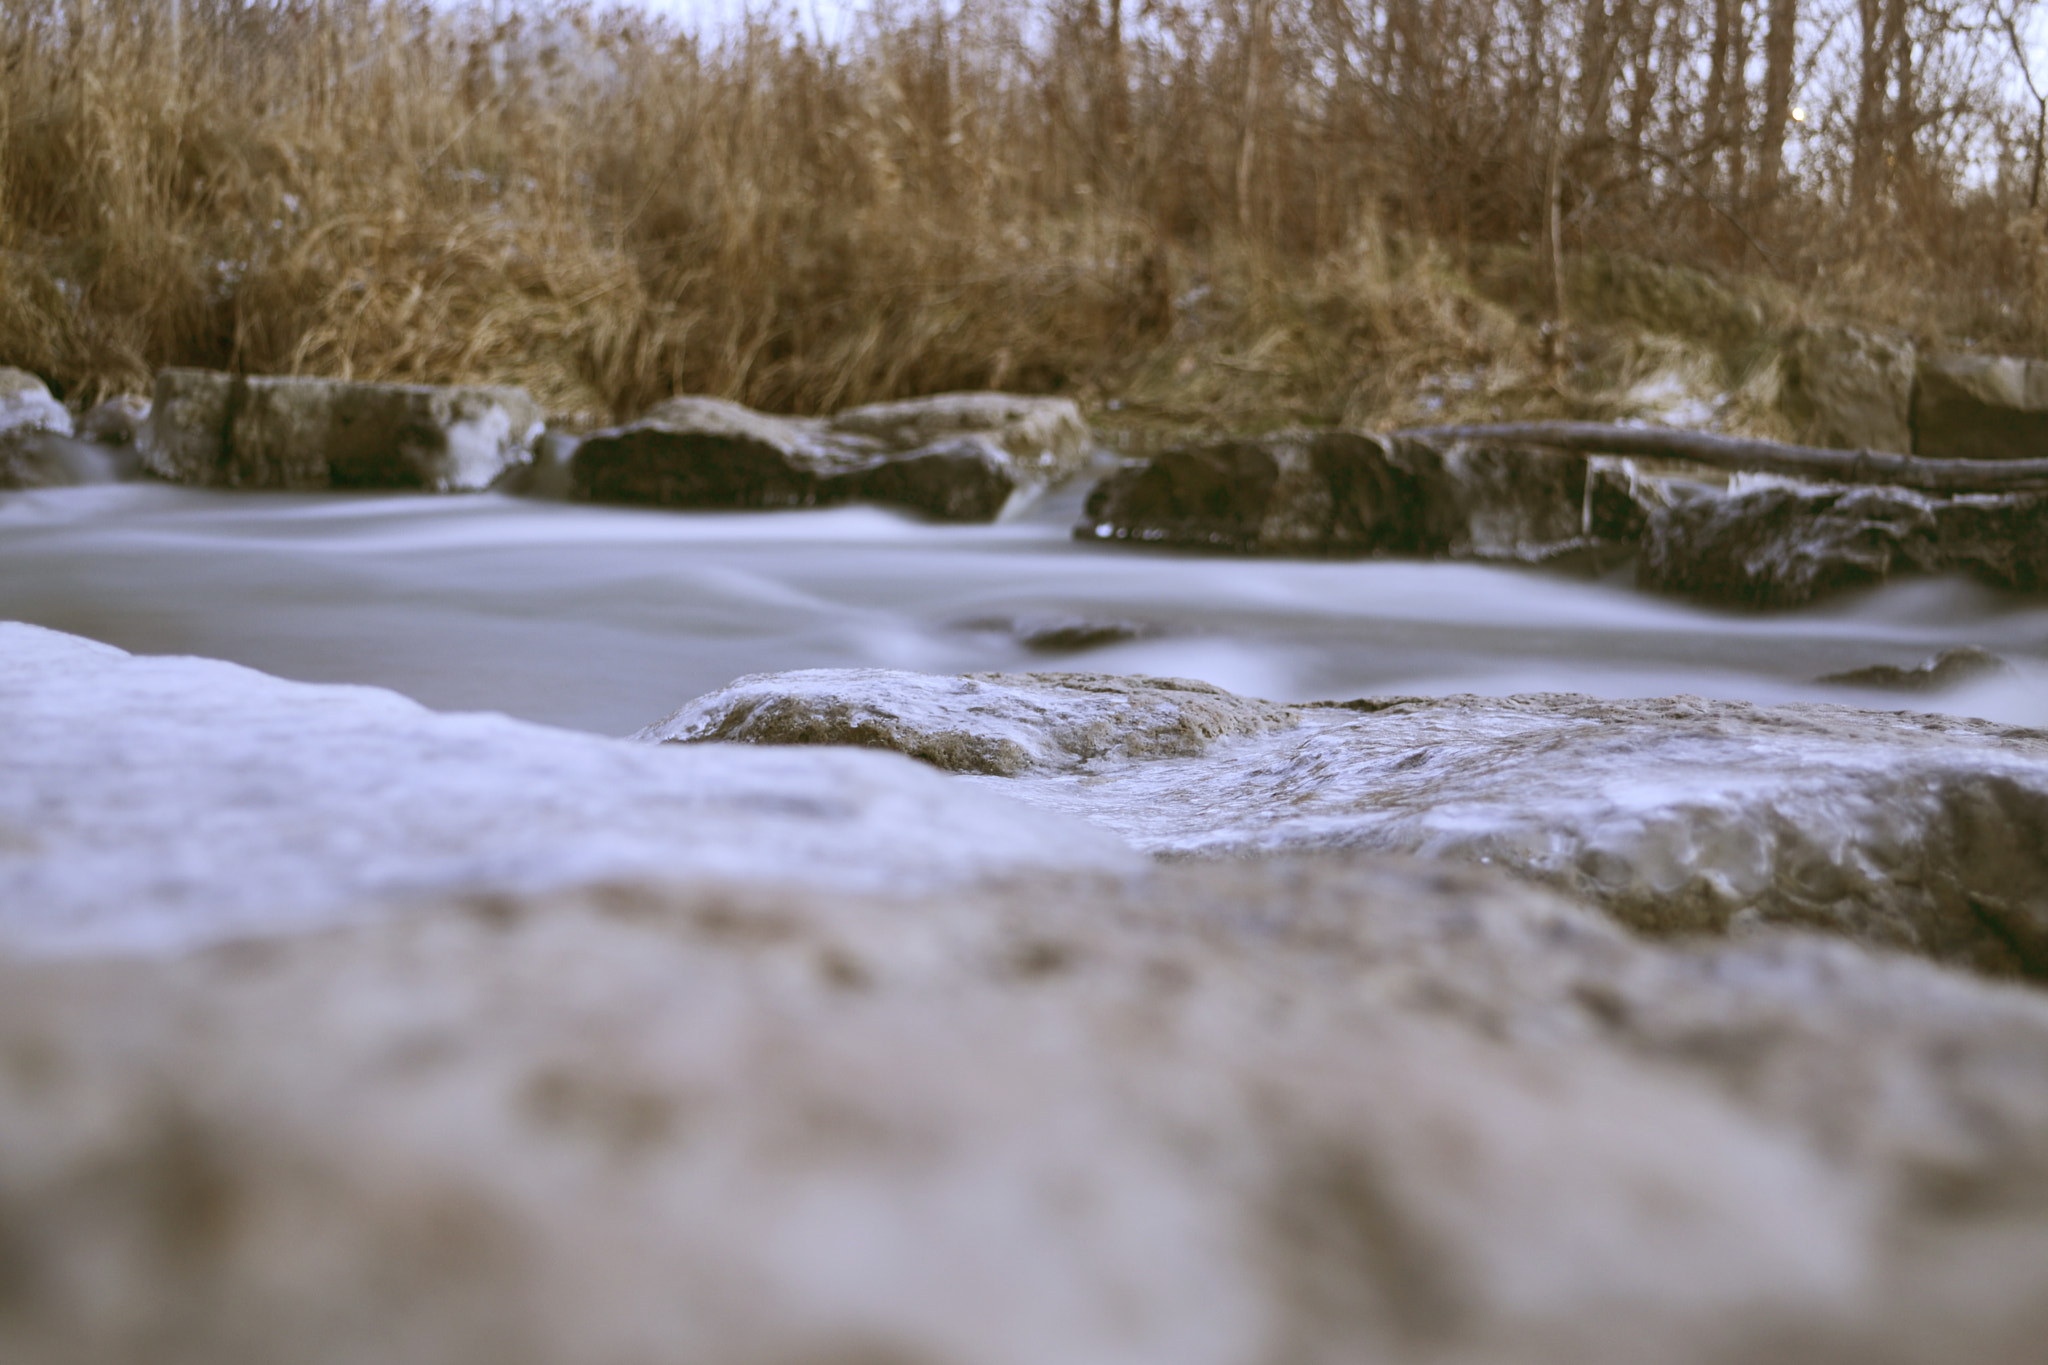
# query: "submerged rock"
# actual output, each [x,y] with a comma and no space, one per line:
[954,457]
[289,432]
[1785,545]
[1299,1111]
[178,800]
[1002,724]
[1981,407]
[1848,389]
[1951,668]
[1346,493]
[1927,833]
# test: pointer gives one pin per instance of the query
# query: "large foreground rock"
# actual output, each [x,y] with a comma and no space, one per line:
[1346,493]
[241,431]
[1785,545]
[955,457]
[1289,1112]
[1680,815]
[1981,407]
[149,801]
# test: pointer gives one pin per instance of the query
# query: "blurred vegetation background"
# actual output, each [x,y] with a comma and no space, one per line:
[1230,214]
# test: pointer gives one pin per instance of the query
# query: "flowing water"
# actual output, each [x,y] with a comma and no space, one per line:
[606,619]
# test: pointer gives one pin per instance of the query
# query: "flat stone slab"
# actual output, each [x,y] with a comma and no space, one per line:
[1206,1115]
[1676,815]
[171,800]
[954,457]
[290,432]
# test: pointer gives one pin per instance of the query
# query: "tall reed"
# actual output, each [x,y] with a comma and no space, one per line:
[1048,194]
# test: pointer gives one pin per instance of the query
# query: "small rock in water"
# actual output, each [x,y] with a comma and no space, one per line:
[1071,634]
[999,724]
[1948,669]
[116,422]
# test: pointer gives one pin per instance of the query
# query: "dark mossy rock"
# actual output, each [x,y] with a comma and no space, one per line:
[1346,493]
[1782,547]
[1981,407]
[291,432]
[955,457]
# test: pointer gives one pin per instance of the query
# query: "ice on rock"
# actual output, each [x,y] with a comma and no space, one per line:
[166,800]
[1681,814]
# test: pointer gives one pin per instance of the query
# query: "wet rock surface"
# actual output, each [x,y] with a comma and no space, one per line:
[1345,493]
[1926,833]
[151,800]
[1785,545]
[283,432]
[1002,724]
[954,457]
[1300,1110]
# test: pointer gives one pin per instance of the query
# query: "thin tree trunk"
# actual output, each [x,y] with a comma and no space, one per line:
[1768,457]
[1780,50]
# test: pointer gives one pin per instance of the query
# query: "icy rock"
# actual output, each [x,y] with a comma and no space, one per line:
[1346,493]
[954,457]
[980,723]
[289,432]
[1783,545]
[1925,833]
[1848,389]
[168,800]
[35,451]
[26,405]
[1981,407]
[1296,1111]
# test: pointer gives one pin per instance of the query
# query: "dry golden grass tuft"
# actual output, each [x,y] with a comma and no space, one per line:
[1183,215]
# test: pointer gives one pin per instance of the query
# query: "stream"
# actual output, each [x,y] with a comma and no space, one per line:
[606,619]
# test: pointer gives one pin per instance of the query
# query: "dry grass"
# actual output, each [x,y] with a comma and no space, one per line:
[1193,224]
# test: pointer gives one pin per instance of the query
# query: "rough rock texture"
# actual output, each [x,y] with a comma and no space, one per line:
[1213,1116]
[1782,546]
[237,431]
[1678,815]
[1002,724]
[164,800]
[1981,407]
[955,457]
[1849,389]
[1345,493]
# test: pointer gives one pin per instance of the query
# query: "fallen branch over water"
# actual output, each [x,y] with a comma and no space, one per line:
[1744,454]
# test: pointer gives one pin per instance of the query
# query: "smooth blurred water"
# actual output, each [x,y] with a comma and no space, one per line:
[607,619]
